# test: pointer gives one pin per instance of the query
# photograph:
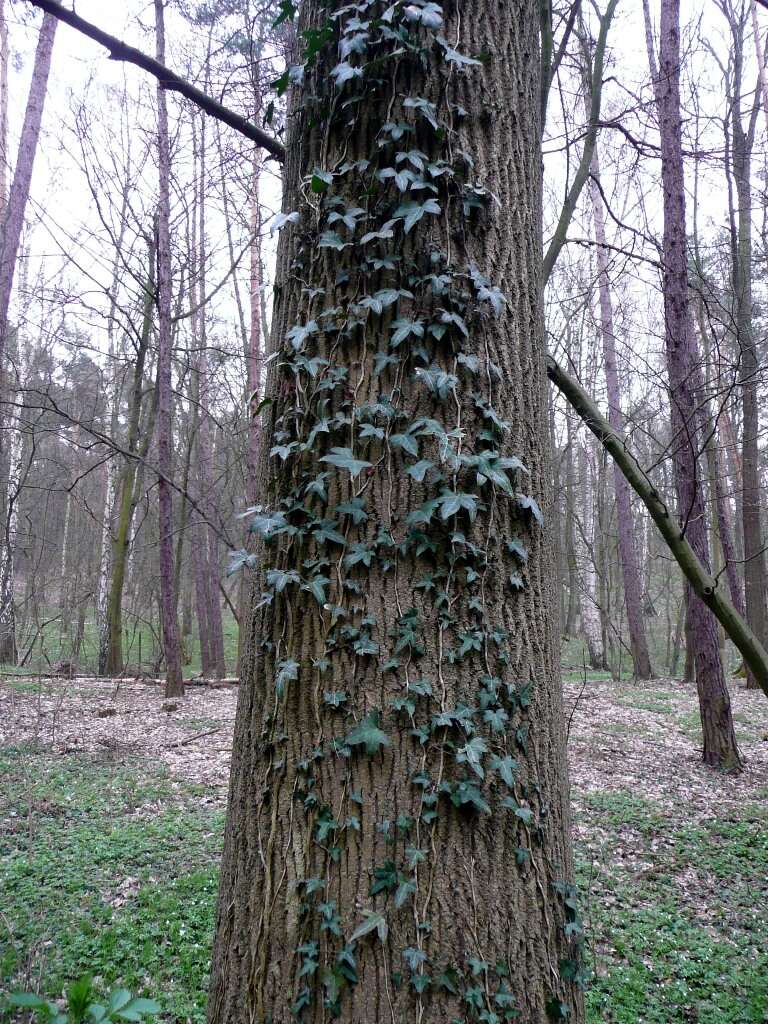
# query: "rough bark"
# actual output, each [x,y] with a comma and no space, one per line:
[297,871]
[633,598]
[173,681]
[720,749]
[10,236]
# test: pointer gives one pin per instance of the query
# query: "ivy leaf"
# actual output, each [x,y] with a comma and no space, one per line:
[343,458]
[454,57]
[411,213]
[516,581]
[403,328]
[320,180]
[414,958]
[281,219]
[496,718]
[472,363]
[506,767]
[382,360]
[472,754]
[278,579]
[516,548]
[464,794]
[402,178]
[451,503]
[440,383]
[407,442]
[530,505]
[430,15]
[374,922]
[335,698]
[332,240]
[354,508]
[316,587]
[365,646]
[287,672]
[368,734]
[419,470]
[345,72]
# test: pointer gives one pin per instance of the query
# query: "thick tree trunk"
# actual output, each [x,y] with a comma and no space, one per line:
[173,681]
[720,749]
[10,236]
[397,842]
[633,597]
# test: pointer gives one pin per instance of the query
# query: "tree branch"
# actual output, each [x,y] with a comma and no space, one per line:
[699,577]
[169,80]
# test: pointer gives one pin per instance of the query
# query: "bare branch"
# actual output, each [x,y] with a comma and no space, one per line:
[168,79]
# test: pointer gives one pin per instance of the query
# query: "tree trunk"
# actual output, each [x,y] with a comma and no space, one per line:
[173,681]
[111,416]
[633,597]
[720,749]
[585,535]
[3,112]
[389,855]
[8,649]
[128,490]
[741,282]
[10,236]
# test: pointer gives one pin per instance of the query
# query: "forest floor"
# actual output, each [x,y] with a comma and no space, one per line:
[111,818]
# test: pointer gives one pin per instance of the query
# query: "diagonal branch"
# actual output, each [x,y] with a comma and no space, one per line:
[698,576]
[169,80]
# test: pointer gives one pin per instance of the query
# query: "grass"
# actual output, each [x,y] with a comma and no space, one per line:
[109,871]
[685,939]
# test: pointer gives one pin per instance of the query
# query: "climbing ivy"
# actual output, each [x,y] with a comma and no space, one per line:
[354,421]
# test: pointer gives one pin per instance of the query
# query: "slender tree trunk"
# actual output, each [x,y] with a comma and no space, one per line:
[110,489]
[361,873]
[752,527]
[633,597]
[570,533]
[10,236]
[585,538]
[128,489]
[8,649]
[3,112]
[173,682]
[720,749]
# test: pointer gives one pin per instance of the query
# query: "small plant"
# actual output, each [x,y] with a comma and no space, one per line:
[81,1006]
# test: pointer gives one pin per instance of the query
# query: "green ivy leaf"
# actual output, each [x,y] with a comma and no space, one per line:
[506,767]
[343,458]
[374,922]
[472,754]
[368,734]
[287,672]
